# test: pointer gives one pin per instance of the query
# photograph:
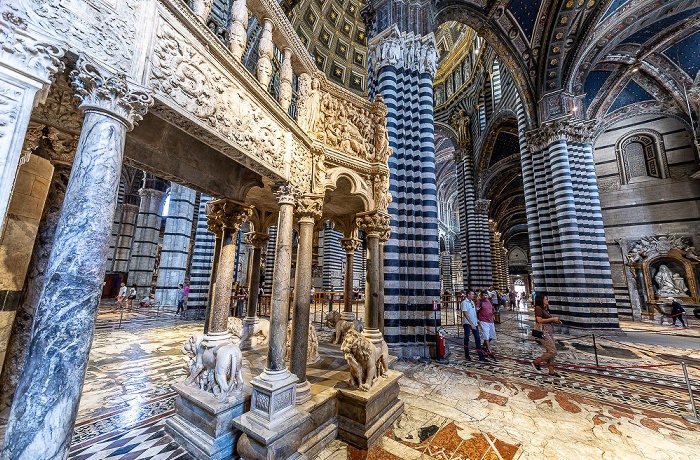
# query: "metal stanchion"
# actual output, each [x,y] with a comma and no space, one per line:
[694,417]
[595,349]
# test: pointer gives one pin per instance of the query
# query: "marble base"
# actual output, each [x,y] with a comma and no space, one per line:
[260,443]
[364,416]
[303,392]
[321,428]
[203,425]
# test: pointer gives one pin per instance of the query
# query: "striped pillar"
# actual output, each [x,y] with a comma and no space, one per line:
[567,240]
[127,227]
[333,256]
[176,244]
[411,255]
[202,257]
[145,245]
[114,237]
[479,247]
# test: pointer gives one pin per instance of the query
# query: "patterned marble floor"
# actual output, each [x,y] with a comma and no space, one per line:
[502,410]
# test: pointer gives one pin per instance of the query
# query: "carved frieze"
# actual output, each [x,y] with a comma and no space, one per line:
[660,243]
[404,51]
[185,76]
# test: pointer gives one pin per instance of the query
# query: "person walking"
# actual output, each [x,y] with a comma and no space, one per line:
[470,324]
[511,300]
[543,317]
[677,311]
[484,310]
[131,297]
[121,297]
[180,299]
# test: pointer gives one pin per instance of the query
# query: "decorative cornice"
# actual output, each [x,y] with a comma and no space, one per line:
[404,51]
[566,129]
[102,90]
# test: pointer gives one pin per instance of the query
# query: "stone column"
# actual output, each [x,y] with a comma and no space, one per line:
[374,224]
[29,62]
[60,148]
[257,240]
[231,214]
[145,244]
[480,271]
[308,211]
[126,235]
[176,244]
[383,238]
[48,393]
[214,226]
[272,407]
[350,245]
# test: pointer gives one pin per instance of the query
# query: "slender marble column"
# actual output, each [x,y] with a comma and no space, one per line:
[48,393]
[215,227]
[308,211]
[374,224]
[383,238]
[231,215]
[350,245]
[62,149]
[257,240]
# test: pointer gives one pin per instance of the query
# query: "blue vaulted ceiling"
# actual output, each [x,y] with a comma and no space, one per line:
[629,95]
[686,54]
[506,145]
[525,12]
[593,83]
[613,6]
[659,26]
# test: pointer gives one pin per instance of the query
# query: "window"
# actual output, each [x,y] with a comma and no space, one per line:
[641,156]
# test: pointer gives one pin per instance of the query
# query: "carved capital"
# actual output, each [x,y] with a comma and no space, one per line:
[309,208]
[32,139]
[257,239]
[62,146]
[482,206]
[374,222]
[28,51]
[230,213]
[567,129]
[404,51]
[214,225]
[284,192]
[350,245]
[100,89]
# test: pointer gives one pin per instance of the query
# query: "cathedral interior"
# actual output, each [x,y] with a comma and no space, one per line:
[259,229]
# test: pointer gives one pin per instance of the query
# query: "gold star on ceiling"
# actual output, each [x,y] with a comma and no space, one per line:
[337,72]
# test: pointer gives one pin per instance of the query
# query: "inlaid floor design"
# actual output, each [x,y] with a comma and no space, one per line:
[456,411]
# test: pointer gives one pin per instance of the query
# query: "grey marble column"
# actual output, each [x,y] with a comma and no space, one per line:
[257,240]
[374,224]
[349,245]
[308,211]
[145,244]
[231,215]
[176,244]
[48,393]
[61,148]
[383,238]
[214,227]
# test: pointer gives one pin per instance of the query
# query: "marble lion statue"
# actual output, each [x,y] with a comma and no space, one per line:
[343,326]
[311,352]
[332,318]
[246,336]
[215,369]
[366,361]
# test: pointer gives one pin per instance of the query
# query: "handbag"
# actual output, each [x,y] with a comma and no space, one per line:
[537,334]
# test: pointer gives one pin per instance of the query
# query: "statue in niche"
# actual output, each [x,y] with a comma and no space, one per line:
[313,107]
[670,283]
[381,140]
[463,124]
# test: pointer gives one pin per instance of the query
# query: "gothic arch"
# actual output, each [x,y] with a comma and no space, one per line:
[358,186]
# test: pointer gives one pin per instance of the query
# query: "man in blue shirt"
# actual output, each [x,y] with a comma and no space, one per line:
[180,299]
[470,324]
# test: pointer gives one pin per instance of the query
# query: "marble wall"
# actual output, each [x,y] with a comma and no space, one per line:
[24,213]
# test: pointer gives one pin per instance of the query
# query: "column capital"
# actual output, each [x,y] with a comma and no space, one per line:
[374,223]
[350,245]
[309,208]
[230,214]
[32,139]
[63,146]
[284,192]
[151,193]
[482,206]
[402,50]
[100,89]
[567,128]
[257,239]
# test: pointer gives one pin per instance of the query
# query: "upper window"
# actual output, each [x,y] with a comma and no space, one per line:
[641,156]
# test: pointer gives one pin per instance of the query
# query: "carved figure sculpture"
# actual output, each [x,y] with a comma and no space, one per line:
[312,348]
[219,367]
[670,283]
[246,336]
[313,107]
[343,326]
[331,318]
[463,123]
[366,361]
[691,254]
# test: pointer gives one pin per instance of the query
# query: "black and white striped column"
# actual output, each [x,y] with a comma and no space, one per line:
[145,245]
[125,240]
[176,244]
[202,258]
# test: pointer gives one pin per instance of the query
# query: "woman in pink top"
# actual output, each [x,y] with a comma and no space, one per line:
[484,313]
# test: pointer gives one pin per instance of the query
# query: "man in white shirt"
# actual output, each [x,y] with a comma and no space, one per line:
[470,324]
[121,297]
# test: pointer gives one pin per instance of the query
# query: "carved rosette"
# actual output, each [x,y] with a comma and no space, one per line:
[98,89]
[481,206]
[350,245]
[566,129]
[309,208]
[257,239]
[374,223]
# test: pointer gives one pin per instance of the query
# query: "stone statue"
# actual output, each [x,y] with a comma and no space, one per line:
[249,336]
[670,283]
[691,254]
[343,326]
[313,107]
[332,318]
[217,369]
[463,124]
[319,173]
[366,361]
[381,140]
[312,348]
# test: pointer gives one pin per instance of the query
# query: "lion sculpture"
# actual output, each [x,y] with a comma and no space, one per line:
[332,318]
[366,360]
[249,336]
[217,369]
[311,352]
[341,326]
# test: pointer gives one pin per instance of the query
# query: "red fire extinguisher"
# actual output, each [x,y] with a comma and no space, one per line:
[440,335]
